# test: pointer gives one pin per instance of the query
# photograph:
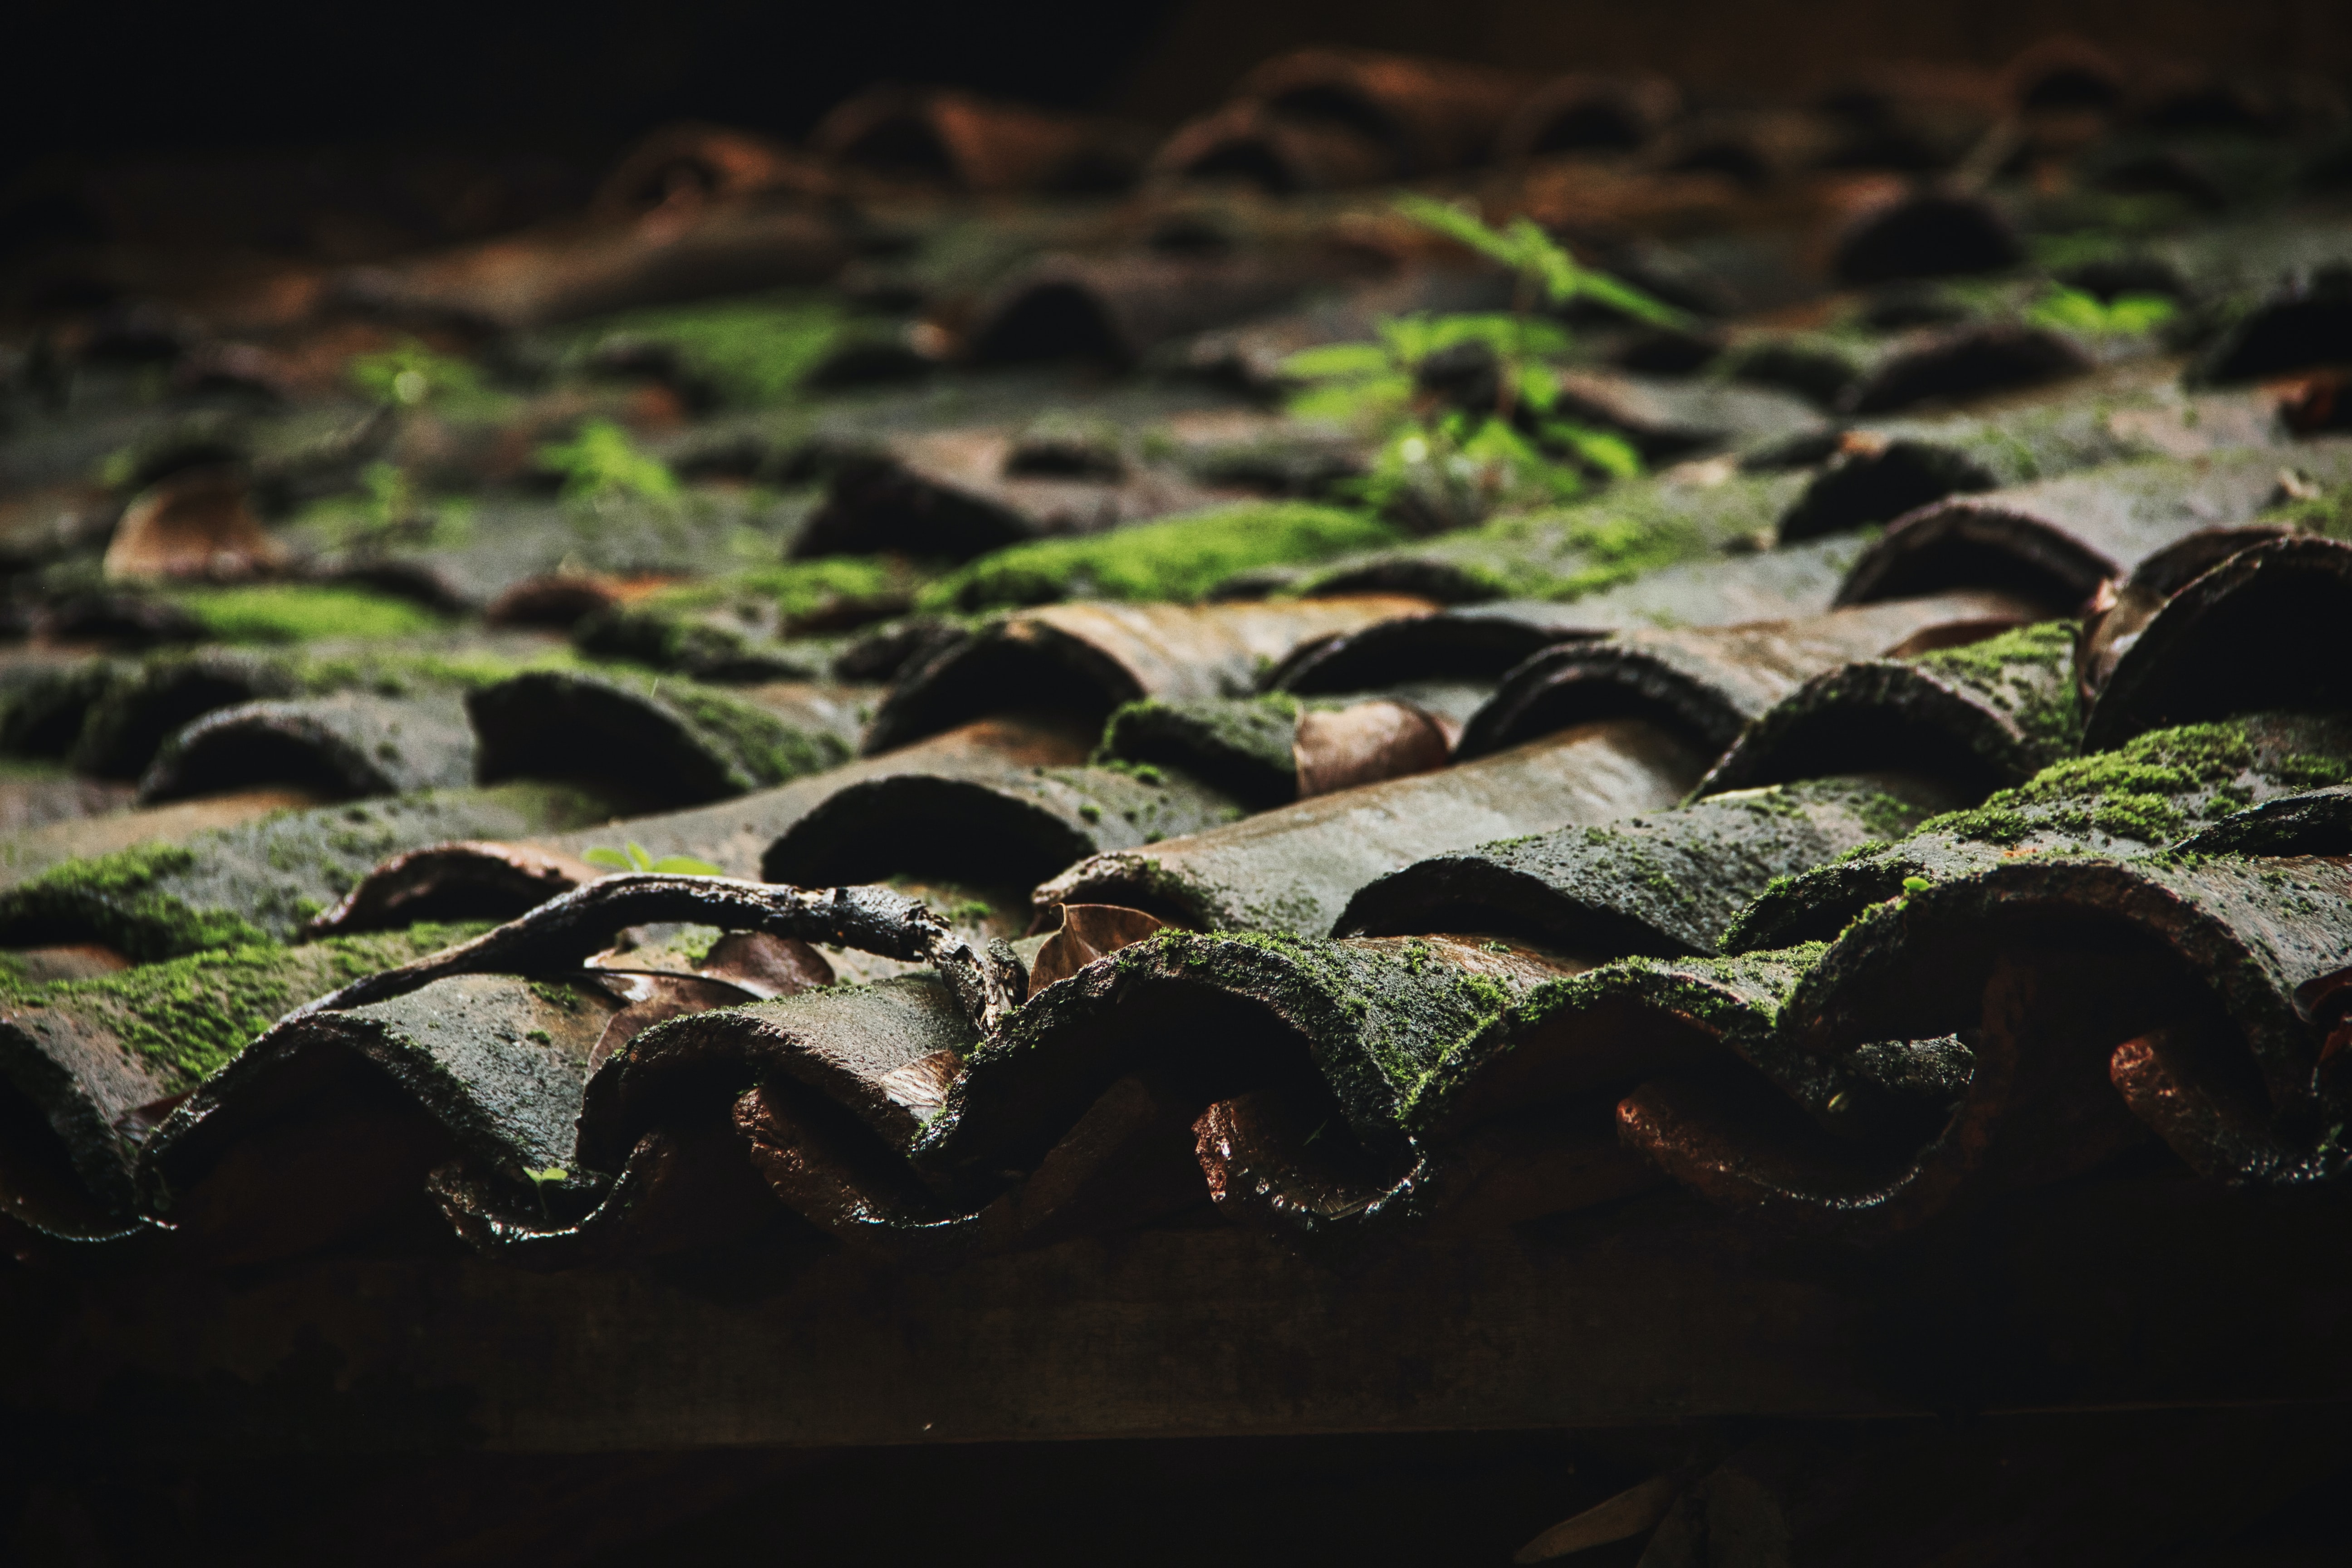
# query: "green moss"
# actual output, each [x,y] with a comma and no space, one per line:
[1997,657]
[751,352]
[115,897]
[1177,558]
[397,675]
[564,995]
[1621,548]
[1733,997]
[253,883]
[2329,512]
[833,591]
[2304,770]
[1566,552]
[1488,993]
[1239,743]
[188,1016]
[2029,672]
[1995,822]
[1772,800]
[1886,816]
[296,613]
[2132,792]
[765,746]
[2151,818]
[1393,1009]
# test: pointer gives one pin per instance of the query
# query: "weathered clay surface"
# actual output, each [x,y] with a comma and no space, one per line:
[1709,685]
[2062,538]
[1665,884]
[1991,713]
[1085,659]
[265,879]
[1294,869]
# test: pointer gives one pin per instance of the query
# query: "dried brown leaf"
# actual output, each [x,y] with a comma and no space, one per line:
[1088,932]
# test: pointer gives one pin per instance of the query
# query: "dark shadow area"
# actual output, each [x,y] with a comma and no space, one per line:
[1846,740]
[2013,556]
[275,73]
[1879,487]
[1050,322]
[256,755]
[1927,237]
[569,732]
[927,829]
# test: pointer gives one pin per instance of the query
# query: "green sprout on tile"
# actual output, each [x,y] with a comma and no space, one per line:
[391,512]
[1447,466]
[2076,311]
[601,464]
[391,499]
[633,856]
[1543,265]
[538,1181]
[410,375]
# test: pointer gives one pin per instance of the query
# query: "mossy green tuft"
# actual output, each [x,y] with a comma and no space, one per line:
[1177,558]
[300,613]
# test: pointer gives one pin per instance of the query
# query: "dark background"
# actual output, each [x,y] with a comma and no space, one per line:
[86,77]
[350,130]
[89,77]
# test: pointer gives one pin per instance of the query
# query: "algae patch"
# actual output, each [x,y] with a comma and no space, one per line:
[117,898]
[186,1016]
[298,613]
[1179,558]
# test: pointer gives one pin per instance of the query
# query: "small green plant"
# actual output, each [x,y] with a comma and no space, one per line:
[2075,311]
[633,856]
[1449,464]
[539,1180]
[391,514]
[392,499]
[601,464]
[410,375]
[1541,263]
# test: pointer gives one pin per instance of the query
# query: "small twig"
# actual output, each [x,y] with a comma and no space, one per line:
[564,930]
